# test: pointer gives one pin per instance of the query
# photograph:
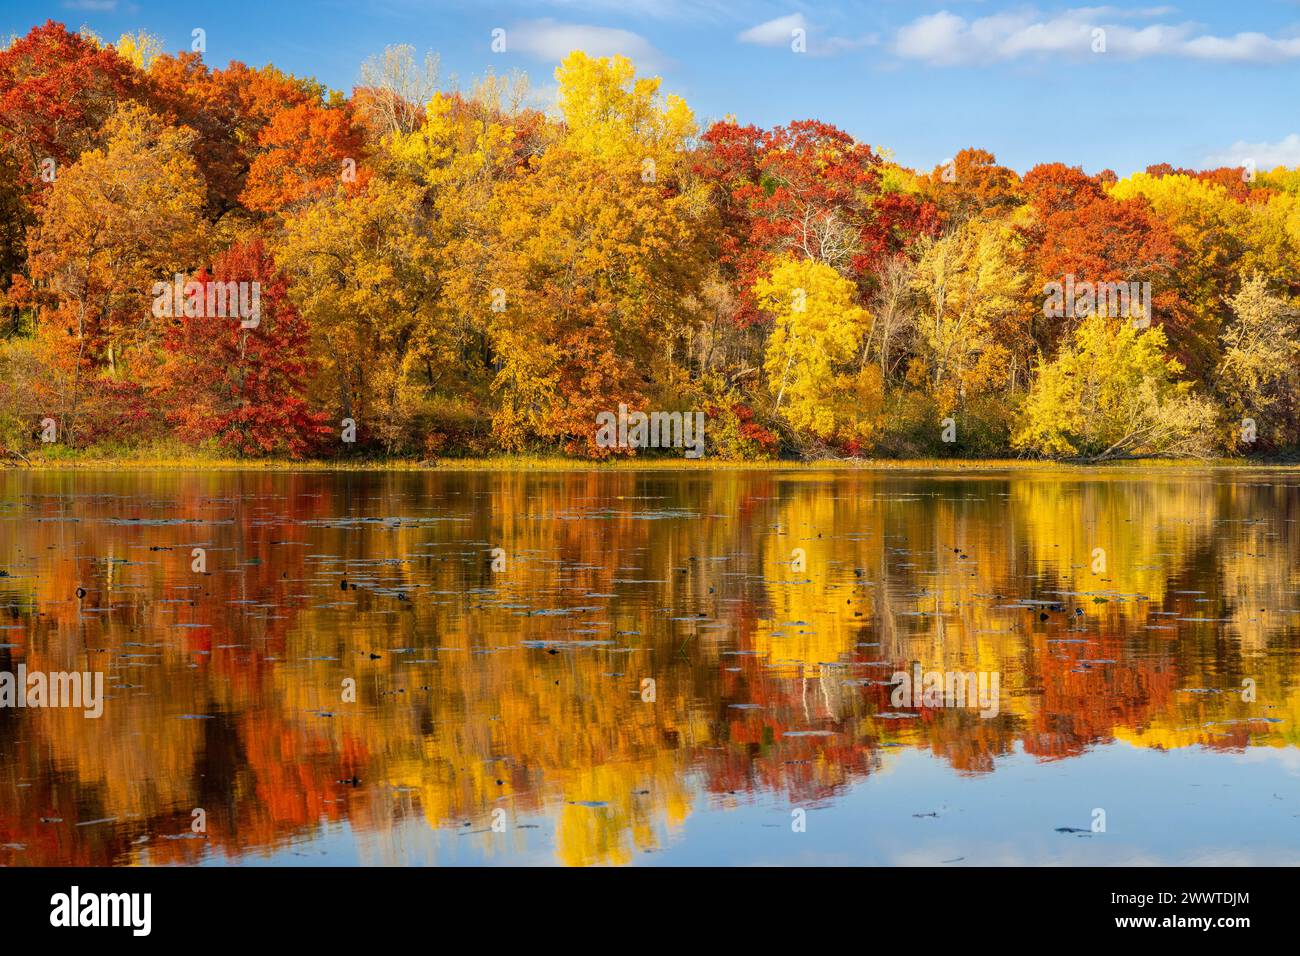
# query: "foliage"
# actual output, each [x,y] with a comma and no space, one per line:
[460,273]
[1113,393]
[813,360]
[242,386]
[1259,373]
[969,282]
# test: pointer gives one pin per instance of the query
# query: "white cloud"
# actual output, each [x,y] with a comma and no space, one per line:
[834,45]
[780,32]
[1285,152]
[552,41]
[102,6]
[1120,13]
[948,39]
[1244,47]
[774,32]
[938,38]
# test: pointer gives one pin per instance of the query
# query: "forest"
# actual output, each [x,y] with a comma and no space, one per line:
[238,262]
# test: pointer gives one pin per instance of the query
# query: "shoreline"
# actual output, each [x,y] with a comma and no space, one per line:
[507,463]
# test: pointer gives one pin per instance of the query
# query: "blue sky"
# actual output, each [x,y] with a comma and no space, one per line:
[1192,83]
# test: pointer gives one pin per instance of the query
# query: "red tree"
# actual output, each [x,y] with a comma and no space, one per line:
[302,157]
[56,88]
[228,109]
[1080,231]
[808,188]
[243,386]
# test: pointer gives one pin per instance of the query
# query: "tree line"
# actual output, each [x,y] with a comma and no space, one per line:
[456,272]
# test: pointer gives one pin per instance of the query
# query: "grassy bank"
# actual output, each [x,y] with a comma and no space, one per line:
[174,460]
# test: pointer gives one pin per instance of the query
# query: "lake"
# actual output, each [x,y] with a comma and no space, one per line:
[654,667]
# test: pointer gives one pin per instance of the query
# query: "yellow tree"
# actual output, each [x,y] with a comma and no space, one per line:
[139,49]
[365,272]
[120,219]
[467,144]
[463,151]
[813,356]
[1224,240]
[611,112]
[1112,393]
[970,283]
[582,263]
[1259,369]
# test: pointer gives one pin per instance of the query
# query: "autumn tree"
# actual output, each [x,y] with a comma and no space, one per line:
[809,189]
[1221,241]
[969,283]
[364,274]
[139,49]
[241,381]
[227,109]
[1258,376]
[1081,235]
[56,90]
[118,220]
[1112,393]
[972,184]
[592,256]
[306,152]
[813,361]
[1053,188]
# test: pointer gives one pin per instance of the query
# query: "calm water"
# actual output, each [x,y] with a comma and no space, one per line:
[769,609]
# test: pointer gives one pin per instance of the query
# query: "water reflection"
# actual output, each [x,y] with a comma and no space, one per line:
[769,609]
